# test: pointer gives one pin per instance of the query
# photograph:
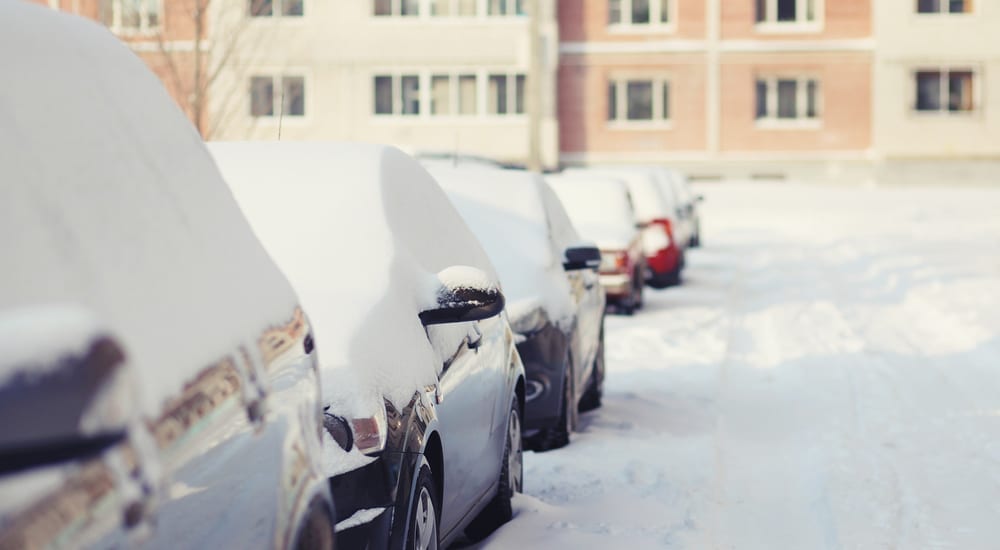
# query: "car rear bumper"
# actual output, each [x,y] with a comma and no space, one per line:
[665,261]
[616,285]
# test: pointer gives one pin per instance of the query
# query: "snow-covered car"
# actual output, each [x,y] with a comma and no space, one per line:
[158,383]
[675,183]
[663,239]
[421,376]
[554,298]
[601,210]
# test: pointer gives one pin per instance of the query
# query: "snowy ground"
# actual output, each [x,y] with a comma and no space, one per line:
[827,377]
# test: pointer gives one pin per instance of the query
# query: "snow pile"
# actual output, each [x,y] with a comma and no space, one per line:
[599,207]
[110,202]
[643,184]
[825,378]
[506,209]
[362,231]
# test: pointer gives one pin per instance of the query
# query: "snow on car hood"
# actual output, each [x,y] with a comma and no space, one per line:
[110,202]
[505,210]
[599,207]
[362,232]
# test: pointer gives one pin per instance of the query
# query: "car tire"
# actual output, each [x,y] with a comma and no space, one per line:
[639,286]
[499,510]
[316,531]
[424,517]
[595,388]
[558,436]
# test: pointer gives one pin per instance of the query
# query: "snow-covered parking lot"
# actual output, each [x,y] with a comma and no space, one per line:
[827,377]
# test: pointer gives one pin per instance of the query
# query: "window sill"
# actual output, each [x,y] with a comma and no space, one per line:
[789,27]
[640,125]
[129,32]
[642,29]
[450,119]
[788,124]
[944,113]
[447,19]
[272,121]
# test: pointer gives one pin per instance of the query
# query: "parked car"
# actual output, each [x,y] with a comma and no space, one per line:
[422,380]
[555,302]
[158,382]
[686,200]
[601,208]
[663,242]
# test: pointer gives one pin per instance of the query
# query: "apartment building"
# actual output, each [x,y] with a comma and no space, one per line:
[727,87]
[937,93]
[431,75]
[169,35]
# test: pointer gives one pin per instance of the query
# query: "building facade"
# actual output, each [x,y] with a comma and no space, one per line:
[718,87]
[425,75]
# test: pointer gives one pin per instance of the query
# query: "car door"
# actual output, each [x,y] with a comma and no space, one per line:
[472,411]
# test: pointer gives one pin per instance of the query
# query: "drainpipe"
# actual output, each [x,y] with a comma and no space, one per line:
[534,84]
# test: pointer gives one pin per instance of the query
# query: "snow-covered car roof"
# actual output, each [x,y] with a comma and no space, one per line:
[110,202]
[643,183]
[361,231]
[600,207]
[510,211]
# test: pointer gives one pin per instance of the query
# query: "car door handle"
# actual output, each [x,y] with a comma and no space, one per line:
[475,338]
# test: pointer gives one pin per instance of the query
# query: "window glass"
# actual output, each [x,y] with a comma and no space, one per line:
[383,95]
[786,10]
[467,7]
[787,95]
[519,91]
[612,100]
[497,94]
[928,6]
[440,7]
[640,100]
[664,11]
[497,7]
[261,8]
[960,91]
[467,94]
[958,6]
[382,7]
[294,96]
[410,94]
[812,99]
[440,95]
[761,11]
[640,12]
[614,11]
[928,91]
[291,7]
[666,101]
[761,88]
[261,96]
[131,11]
[152,13]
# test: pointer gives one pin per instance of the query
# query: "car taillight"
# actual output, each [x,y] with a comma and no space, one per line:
[614,261]
[621,261]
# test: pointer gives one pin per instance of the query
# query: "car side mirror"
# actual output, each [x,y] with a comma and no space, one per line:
[464,294]
[582,257]
[67,389]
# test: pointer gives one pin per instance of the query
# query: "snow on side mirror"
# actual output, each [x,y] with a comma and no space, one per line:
[582,257]
[65,387]
[464,294]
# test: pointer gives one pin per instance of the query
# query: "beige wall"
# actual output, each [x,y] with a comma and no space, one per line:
[908,41]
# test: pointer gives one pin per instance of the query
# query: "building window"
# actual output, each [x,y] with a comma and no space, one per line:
[467,94]
[945,91]
[276,8]
[505,7]
[460,8]
[273,96]
[404,8]
[635,100]
[129,16]
[786,11]
[505,94]
[639,12]
[944,6]
[397,94]
[787,99]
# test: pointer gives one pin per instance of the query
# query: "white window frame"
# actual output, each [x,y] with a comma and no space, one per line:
[277,7]
[425,76]
[801,120]
[424,12]
[943,111]
[621,120]
[946,9]
[770,24]
[277,77]
[626,25]
[144,27]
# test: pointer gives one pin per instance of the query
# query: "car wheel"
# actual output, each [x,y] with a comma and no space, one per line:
[595,388]
[558,435]
[499,510]
[422,532]
[639,285]
[316,531]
